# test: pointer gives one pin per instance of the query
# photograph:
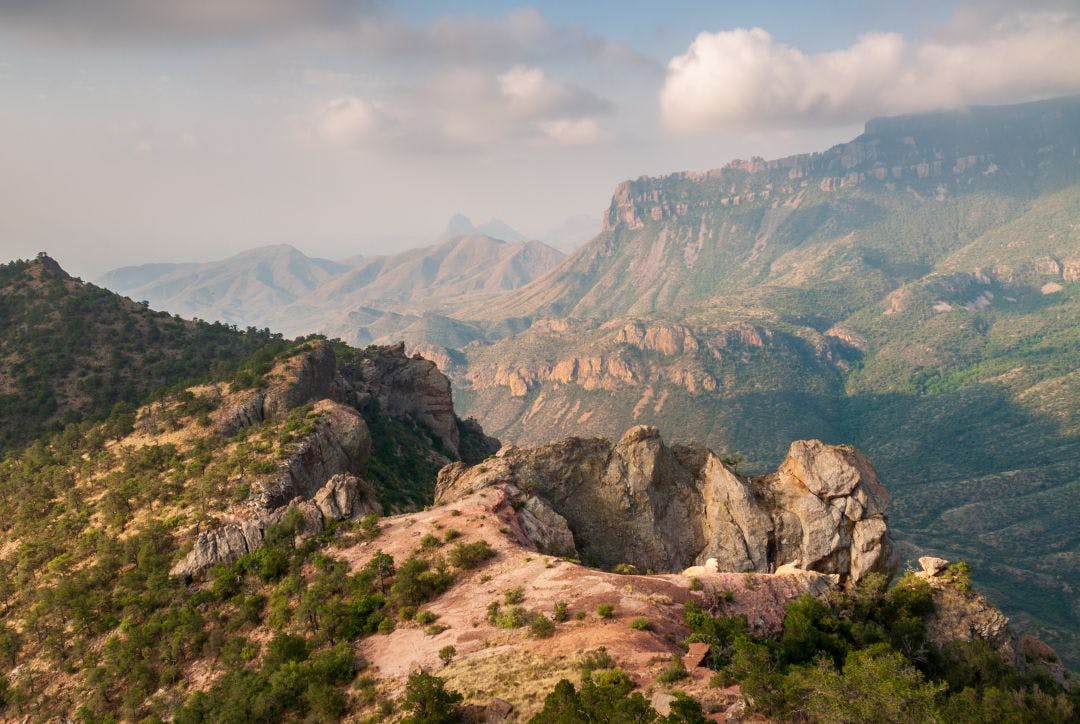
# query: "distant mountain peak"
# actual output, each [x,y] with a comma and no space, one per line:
[499,229]
[459,225]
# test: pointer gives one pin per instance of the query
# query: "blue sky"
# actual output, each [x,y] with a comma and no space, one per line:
[133,132]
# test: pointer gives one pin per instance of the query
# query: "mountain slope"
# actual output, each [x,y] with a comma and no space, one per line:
[429,279]
[243,289]
[72,351]
[675,240]
[912,291]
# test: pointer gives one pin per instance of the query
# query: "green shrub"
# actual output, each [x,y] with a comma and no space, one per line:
[451,535]
[513,617]
[429,541]
[605,610]
[595,659]
[369,526]
[605,697]
[640,623]
[541,627]
[674,671]
[416,582]
[428,701]
[425,617]
[471,555]
[514,595]
[561,612]
[447,654]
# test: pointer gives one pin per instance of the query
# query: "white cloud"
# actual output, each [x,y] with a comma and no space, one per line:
[572,131]
[346,121]
[465,109]
[531,93]
[745,77]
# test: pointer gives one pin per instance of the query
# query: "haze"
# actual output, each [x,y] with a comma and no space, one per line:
[133,132]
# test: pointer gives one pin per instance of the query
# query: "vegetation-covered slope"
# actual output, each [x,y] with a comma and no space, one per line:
[71,351]
[213,555]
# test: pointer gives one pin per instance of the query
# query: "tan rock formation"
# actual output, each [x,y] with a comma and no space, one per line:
[663,508]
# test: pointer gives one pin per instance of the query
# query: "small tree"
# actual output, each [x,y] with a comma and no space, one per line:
[428,700]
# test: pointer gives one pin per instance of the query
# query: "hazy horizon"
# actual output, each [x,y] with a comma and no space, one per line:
[138,133]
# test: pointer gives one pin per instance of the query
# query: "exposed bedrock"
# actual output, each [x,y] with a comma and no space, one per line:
[342,497]
[665,508]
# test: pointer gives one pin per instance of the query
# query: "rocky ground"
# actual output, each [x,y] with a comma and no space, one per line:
[512,665]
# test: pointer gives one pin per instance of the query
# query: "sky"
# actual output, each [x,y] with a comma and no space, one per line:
[134,131]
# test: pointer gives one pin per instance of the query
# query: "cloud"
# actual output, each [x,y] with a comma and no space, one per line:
[465,109]
[353,28]
[572,131]
[189,20]
[744,77]
[522,35]
[346,121]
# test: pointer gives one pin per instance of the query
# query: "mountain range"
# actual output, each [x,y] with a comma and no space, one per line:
[281,288]
[261,529]
[913,291]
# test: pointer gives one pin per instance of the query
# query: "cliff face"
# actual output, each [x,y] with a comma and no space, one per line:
[323,473]
[663,508]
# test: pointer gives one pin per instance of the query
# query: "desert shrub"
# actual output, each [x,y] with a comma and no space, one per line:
[561,612]
[512,617]
[625,569]
[875,684]
[595,659]
[541,627]
[514,595]
[471,555]
[605,610]
[608,696]
[369,526]
[640,623]
[447,654]
[425,617]
[451,535]
[429,541]
[428,701]
[674,671]
[418,581]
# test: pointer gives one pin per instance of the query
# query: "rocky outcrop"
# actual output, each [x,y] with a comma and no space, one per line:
[318,478]
[305,377]
[340,443]
[664,508]
[961,614]
[341,498]
[405,387]
[321,475]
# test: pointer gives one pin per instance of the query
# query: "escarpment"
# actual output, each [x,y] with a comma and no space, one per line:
[665,508]
[324,405]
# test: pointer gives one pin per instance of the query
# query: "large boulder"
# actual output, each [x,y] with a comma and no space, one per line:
[663,508]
